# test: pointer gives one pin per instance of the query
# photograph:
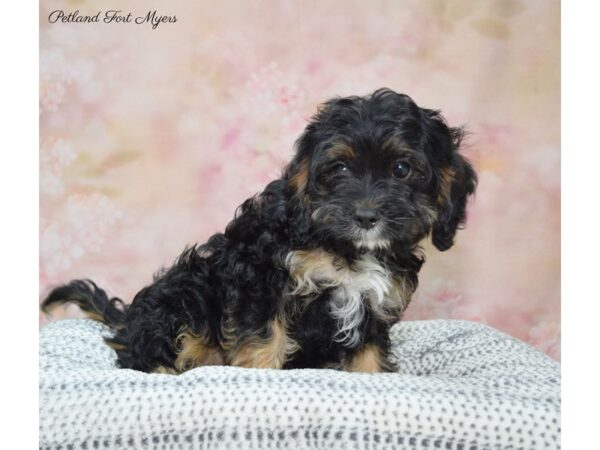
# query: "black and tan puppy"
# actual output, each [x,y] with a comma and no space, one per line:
[313,271]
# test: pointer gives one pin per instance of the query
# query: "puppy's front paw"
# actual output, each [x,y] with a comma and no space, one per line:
[369,359]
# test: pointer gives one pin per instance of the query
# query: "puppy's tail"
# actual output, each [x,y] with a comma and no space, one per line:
[91,300]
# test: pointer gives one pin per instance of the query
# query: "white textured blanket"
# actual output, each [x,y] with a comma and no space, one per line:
[461,385]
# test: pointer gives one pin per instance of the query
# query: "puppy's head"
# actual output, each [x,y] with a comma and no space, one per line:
[375,172]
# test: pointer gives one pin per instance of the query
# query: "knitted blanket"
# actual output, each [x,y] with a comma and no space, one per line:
[460,385]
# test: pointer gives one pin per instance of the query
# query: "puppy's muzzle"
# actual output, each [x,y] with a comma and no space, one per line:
[366,218]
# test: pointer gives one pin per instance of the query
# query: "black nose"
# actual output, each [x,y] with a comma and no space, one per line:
[366,217]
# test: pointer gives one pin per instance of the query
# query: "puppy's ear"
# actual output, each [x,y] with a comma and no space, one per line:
[455,175]
[297,174]
[296,177]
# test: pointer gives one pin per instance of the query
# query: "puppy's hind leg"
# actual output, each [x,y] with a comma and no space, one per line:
[194,351]
[269,349]
[168,330]
[171,325]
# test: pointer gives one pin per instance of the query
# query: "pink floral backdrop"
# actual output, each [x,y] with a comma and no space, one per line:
[150,138]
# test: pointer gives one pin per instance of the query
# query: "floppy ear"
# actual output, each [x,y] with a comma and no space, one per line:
[456,179]
[296,174]
[457,182]
[295,178]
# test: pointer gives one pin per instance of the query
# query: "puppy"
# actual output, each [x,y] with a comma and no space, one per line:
[313,271]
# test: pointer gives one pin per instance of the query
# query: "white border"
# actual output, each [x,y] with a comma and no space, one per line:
[19,233]
[580,224]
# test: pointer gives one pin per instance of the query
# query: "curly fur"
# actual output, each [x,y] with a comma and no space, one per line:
[299,278]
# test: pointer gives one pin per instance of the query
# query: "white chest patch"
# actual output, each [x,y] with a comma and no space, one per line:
[366,281]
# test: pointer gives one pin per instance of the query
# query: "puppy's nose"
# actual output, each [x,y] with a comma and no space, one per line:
[366,217]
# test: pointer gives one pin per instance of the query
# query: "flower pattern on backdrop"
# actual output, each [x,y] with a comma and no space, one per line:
[151,138]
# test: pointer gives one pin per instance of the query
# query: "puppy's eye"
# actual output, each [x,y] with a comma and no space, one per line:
[401,169]
[339,167]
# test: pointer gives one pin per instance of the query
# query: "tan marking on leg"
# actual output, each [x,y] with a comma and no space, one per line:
[368,359]
[165,370]
[115,345]
[269,353]
[193,352]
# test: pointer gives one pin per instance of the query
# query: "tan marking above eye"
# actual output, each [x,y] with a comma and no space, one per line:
[338,159]
[341,151]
